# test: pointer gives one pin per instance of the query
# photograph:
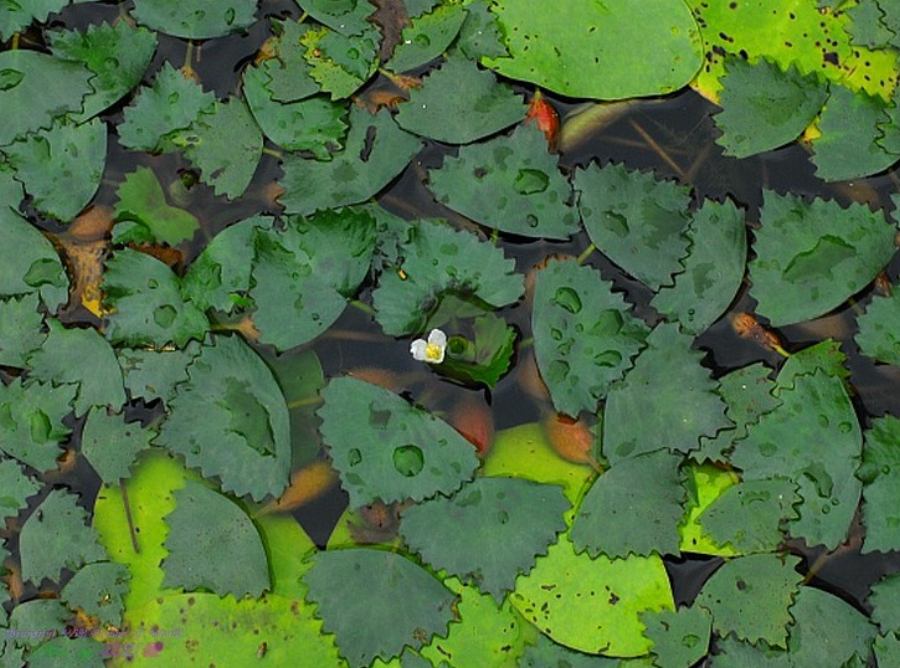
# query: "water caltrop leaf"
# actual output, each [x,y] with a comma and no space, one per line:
[32,420]
[173,102]
[98,590]
[230,420]
[510,183]
[879,329]
[143,203]
[764,106]
[680,637]
[439,261]
[61,168]
[885,602]
[459,103]
[304,273]
[340,63]
[412,604]
[195,19]
[29,263]
[55,536]
[82,357]
[111,444]
[16,486]
[598,50]
[488,532]
[827,631]
[36,89]
[880,473]
[812,256]
[584,335]
[632,508]
[750,596]
[672,393]
[713,269]
[213,545]
[348,17]
[427,36]
[15,16]
[637,221]
[593,605]
[149,308]
[287,77]
[388,450]
[20,329]
[375,152]
[153,374]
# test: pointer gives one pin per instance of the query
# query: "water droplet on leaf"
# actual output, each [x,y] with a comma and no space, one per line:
[568,299]
[408,460]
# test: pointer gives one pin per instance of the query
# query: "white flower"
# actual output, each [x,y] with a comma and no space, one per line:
[432,350]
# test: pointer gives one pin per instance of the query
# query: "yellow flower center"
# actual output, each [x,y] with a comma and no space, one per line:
[433,352]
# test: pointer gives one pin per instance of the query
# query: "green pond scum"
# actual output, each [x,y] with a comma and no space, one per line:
[450,333]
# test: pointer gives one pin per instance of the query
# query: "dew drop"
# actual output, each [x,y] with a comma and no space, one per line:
[823,420]
[408,460]
[230,15]
[503,517]
[568,299]
[354,457]
[422,40]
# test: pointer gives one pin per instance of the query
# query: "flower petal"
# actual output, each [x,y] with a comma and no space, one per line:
[437,338]
[418,349]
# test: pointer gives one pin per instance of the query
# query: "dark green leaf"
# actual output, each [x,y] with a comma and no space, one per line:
[486,357]
[15,488]
[879,329]
[386,449]
[827,631]
[480,35]
[341,63]
[230,420]
[427,37]
[212,544]
[584,335]
[143,203]
[20,329]
[680,637]
[14,16]
[489,532]
[880,473]
[111,445]
[287,74]
[29,263]
[153,374]
[196,19]
[510,183]
[98,590]
[348,17]
[412,605]
[31,418]
[885,602]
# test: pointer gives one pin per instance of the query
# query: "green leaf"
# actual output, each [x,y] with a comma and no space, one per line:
[879,329]
[340,63]
[117,54]
[880,474]
[375,152]
[153,374]
[149,308]
[734,653]
[593,605]
[827,631]
[672,393]
[172,103]
[348,17]
[599,51]
[705,483]
[584,335]
[885,602]
[111,445]
[484,359]
[36,89]
[195,19]
[812,438]
[639,222]
[32,420]
[510,183]
[412,604]
[225,144]
[480,35]
[54,537]
[750,596]
[850,125]
[14,16]
[867,25]
[143,202]
[459,103]
[750,516]
[680,637]
[426,37]
[20,329]
[439,261]
[84,358]
[287,75]
[764,106]
[713,269]
[37,614]
[16,486]
[61,168]
[98,590]
[825,356]
[632,509]
[213,545]
[544,652]
[887,650]
[313,124]
[230,420]
[812,256]
[29,263]
[489,532]
[386,449]
[304,273]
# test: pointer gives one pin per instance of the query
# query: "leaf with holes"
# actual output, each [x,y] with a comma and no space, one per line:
[32,420]
[489,532]
[880,474]
[680,637]
[230,420]
[98,591]
[510,183]
[672,393]
[585,336]
[144,216]
[639,222]
[29,263]
[388,450]
[879,329]
[439,261]
[632,509]
[812,256]
[111,445]
[195,19]
[413,605]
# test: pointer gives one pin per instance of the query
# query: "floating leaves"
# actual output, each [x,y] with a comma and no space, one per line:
[111,444]
[195,19]
[144,216]
[427,36]
[879,329]
[880,474]
[32,420]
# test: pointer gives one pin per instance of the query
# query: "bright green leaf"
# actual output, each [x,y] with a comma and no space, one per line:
[510,183]
[489,531]
[879,329]
[20,329]
[31,418]
[111,445]
[143,202]
[680,637]
[880,473]
[98,590]
[427,37]
[196,19]
[386,449]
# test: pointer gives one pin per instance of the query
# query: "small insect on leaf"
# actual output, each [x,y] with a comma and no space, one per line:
[543,113]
